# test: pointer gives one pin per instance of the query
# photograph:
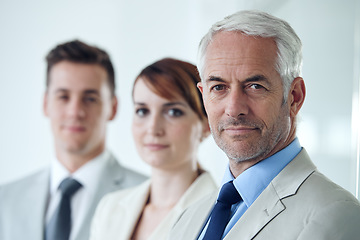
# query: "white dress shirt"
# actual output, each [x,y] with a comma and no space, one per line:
[88,175]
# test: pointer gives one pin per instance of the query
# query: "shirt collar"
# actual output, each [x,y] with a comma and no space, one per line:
[252,182]
[87,175]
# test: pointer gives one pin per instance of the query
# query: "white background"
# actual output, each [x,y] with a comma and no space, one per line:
[138,32]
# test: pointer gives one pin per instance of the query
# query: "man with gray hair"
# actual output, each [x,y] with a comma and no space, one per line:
[250,66]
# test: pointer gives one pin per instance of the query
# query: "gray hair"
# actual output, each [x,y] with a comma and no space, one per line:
[255,23]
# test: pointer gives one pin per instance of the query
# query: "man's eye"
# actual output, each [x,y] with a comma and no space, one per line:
[141,112]
[218,87]
[174,112]
[63,97]
[90,99]
[256,86]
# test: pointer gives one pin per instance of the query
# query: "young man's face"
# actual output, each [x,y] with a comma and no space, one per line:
[79,104]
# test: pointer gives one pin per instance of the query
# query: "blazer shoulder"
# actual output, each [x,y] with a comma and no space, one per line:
[122,175]
[20,186]
[301,180]
[24,201]
[332,211]
[323,191]
[323,209]
[126,194]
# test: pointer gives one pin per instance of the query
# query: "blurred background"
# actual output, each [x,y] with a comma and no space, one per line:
[139,32]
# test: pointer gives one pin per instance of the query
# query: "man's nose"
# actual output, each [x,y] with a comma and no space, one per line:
[237,103]
[76,109]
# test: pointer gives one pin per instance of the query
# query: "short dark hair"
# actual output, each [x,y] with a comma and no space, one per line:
[79,52]
[170,78]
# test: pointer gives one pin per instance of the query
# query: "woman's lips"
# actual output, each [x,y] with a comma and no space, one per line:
[156,147]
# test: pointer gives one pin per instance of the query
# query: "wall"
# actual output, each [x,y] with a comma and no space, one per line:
[137,33]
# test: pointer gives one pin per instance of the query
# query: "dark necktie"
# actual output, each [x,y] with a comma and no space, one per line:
[220,215]
[60,223]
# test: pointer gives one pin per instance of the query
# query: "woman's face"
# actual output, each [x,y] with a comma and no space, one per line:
[167,133]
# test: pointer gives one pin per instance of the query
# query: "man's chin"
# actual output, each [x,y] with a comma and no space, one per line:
[75,148]
[241,151]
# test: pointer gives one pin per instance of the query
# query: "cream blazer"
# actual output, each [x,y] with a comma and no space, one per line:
[117,213]
[300,203]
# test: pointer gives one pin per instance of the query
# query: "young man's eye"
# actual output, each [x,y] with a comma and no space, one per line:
[63,97]
[90,99]
[141,112]
[175,112]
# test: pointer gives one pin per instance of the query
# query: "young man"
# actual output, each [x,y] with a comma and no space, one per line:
[79,101]
[250,66]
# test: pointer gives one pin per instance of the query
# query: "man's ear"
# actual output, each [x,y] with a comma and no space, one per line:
[45,104]
[296,96]
[114,106]
[200,86]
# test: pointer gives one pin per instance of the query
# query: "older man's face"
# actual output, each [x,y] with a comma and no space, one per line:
[243,96]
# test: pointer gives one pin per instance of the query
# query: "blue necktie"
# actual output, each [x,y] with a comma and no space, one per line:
[59,226]
[220,215]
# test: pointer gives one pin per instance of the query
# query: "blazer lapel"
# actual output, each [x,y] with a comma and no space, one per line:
[193,219]
[111,180]
[269,204]
[130,208]
[35,206]
[262,211]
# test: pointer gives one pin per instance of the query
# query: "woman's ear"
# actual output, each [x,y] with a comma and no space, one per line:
[206,129]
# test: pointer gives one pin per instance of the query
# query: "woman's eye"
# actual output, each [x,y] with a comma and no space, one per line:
[175,112]
[141,112]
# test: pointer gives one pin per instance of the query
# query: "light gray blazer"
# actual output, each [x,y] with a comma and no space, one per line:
[300,203]
[23,203]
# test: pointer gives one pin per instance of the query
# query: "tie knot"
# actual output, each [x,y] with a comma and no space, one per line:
[69,186]
[228,194]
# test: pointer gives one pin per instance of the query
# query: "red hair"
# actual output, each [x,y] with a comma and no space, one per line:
[170,78]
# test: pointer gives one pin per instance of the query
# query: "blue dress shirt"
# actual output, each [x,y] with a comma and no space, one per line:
[253,181]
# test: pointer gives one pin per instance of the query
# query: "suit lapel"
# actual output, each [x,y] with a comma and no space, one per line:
[36,204]
[196,216]
[262,211]
[269,204]
[111,180]
[130,208]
